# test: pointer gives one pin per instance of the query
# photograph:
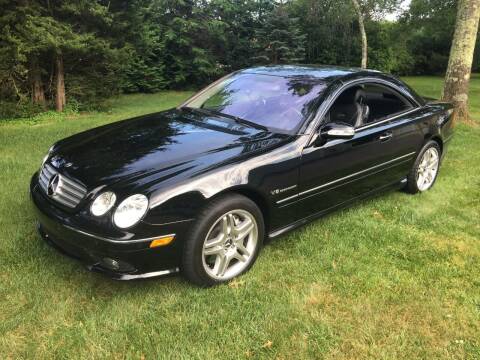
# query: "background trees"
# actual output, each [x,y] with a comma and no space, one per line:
[45,43]
[368,10]
[428,28]
[279,39]
[76,53]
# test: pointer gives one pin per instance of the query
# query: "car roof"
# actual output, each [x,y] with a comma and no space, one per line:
[325,73]
[328,74]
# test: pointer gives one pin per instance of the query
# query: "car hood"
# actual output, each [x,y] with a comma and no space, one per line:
[149,148]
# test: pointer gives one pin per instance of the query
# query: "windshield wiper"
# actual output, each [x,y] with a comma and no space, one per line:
[243,121]
[228,116]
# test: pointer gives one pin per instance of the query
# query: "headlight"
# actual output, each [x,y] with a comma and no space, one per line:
[49,152]
[130,211]
[103,203]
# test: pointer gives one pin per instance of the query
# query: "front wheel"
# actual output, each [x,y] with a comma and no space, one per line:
[424,172]
[224,242]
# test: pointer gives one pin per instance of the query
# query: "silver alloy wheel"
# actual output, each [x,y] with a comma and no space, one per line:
[427,169]
[230,244]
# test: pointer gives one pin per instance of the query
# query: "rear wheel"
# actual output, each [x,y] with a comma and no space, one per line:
[424,172]
[224,242]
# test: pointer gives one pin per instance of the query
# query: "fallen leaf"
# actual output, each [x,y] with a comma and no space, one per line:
[235,284]
[267,345]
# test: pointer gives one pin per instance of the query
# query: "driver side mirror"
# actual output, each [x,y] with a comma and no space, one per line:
[337,131]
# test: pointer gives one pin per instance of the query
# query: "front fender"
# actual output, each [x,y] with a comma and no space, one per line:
[183,201]
[179,200]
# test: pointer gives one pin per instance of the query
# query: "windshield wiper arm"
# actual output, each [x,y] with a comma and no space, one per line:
[245,122]
[228,116]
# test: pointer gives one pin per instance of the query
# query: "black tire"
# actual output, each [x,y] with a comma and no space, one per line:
[192,260]
[412,186]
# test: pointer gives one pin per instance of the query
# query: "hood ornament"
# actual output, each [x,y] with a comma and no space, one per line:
[58,161]
[53,185]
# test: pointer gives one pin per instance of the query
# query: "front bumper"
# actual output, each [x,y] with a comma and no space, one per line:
[118,258]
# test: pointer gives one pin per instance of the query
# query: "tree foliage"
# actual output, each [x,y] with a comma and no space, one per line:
[104,47]
[280,39]
[428,27]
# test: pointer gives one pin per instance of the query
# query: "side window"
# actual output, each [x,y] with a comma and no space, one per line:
[383,102]
[361,105]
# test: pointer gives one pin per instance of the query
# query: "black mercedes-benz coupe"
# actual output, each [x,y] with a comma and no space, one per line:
[199,188]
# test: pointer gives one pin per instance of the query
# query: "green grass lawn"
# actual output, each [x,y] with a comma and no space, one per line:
[432,87]
[395,277]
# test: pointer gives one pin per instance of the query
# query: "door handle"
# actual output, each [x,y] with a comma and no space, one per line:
[385,136]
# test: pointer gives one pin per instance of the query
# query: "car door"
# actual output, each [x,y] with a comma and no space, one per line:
[380,153]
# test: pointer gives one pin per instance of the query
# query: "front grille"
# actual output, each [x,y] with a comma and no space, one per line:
[64,190]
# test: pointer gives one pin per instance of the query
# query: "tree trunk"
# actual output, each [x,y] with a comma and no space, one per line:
[35,75]
[363,33]
[60,83]
[459,68]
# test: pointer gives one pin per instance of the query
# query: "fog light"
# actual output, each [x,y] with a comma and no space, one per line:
[162,241]
[111,263]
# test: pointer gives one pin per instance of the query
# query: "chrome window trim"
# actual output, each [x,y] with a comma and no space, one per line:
[344,178]
[396,116]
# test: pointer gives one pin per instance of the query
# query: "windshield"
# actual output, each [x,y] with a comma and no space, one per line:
[271,101]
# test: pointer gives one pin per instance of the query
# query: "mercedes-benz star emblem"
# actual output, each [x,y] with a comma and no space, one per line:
[53,184]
